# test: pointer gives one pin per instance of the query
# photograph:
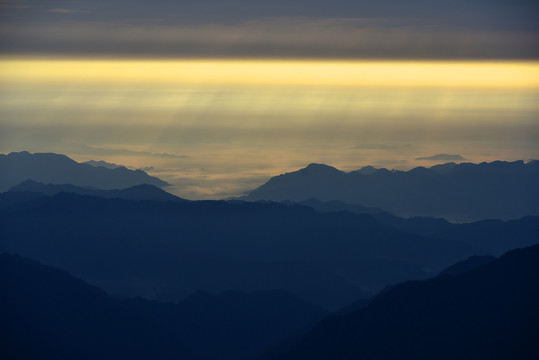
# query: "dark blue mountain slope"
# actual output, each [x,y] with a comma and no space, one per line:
[492,236]
[463,192]
[137,192]
[167,250]
[48,314]
[488,313]
[51,168]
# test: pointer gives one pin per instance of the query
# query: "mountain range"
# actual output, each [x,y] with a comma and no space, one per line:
[475,309]
[242,279]
[457,192]
[488,312]
[174,248]
[233,325]
[49,314]
[49,168]
[497,236]
[137,192]
[166,250]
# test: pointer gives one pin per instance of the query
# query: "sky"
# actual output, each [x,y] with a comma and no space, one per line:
[215,97]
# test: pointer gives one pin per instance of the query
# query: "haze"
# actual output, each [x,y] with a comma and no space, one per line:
[216,99]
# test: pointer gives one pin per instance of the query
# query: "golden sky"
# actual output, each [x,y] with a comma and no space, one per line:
[215,128]
[505,74]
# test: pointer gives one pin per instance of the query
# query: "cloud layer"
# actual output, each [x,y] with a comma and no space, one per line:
[442,157]
[457,29]
[285,37]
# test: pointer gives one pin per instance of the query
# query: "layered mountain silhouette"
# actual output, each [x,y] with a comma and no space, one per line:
[457,192]
[167,250]
[59,169]
[488,312]
[138,192]
[494,236]
[48,314]
[463,266]
[163,258]
[472,263]
[336,206]
[234,325]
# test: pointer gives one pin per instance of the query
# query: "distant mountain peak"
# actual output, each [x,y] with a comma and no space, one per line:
[367,170]
[50,168]
[42,156]
[19,153]
[27,184]
[444,168]
[419,170]
[136,193]
[319,168]
[445,317]
[457,192]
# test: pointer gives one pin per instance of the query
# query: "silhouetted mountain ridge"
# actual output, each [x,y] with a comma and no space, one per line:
[489,312]
[234,325]
[494,237]
[467,265]
[48,314]
[367,170]
[137,192]
[175,248]
[59,169]
[497,236]
[460,192]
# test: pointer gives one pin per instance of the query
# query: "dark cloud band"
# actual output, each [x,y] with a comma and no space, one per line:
[267,38]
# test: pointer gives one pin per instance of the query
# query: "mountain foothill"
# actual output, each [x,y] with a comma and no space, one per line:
[99,261]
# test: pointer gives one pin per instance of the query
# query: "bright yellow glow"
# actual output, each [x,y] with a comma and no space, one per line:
[231,124]
[253,72]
